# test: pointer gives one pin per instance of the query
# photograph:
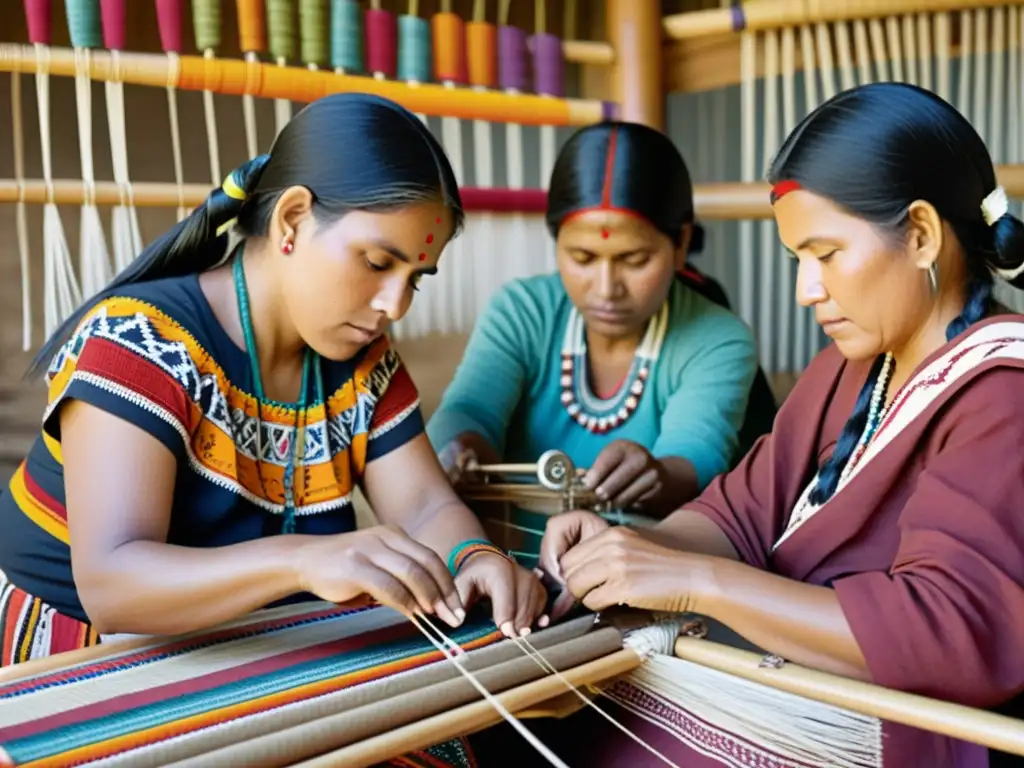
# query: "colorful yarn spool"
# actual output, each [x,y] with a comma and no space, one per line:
[347,36]
[313,32]
[381,42]
[281,29]
[84,23]
[548,65]
[39,18]
[414,53]
[206,24]
[252,28]
[513,59]
[482,53]
[112,14]
[449,48]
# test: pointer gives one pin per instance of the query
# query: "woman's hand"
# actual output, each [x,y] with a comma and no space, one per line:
[384,563]
[517,595]
[563,532]
[625,474]
[620,567]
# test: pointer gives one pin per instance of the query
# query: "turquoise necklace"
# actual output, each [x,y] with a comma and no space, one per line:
[310,364]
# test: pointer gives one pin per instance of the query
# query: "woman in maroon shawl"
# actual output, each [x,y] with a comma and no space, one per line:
[878,532]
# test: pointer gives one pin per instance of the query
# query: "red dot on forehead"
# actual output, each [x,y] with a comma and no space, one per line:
[423,257]
[605,233]
[430,238]
[438,219]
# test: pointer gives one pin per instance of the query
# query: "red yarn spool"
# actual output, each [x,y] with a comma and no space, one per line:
[40,21]
[112,13]
[381,42]
[168,15]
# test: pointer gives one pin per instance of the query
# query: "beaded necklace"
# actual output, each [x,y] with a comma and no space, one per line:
[310,364]
[593,414]
[804,509]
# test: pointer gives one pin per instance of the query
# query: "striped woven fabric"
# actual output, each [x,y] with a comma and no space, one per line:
[182,698]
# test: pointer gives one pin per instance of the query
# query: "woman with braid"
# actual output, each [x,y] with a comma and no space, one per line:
[877,533]
[210,417]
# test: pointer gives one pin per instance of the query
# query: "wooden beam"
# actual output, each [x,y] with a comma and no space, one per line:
[634,29]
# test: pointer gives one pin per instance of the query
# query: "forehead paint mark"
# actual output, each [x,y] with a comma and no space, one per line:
[430,238]
[605,233]
[423,257]
[438,220]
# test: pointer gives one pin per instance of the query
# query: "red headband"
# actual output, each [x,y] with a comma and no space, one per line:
[782,189]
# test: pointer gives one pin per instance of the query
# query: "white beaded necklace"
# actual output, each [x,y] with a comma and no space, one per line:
[877,409]
[590,412]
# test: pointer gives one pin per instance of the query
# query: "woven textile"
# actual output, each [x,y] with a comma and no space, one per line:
[175,699]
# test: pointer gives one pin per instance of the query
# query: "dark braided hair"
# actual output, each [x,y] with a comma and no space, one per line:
[352,151]
[874,150]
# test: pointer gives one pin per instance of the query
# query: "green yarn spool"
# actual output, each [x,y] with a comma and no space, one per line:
[313,31]
[84,23]
[281,29]
[206,23]
[347,36]
[414,57]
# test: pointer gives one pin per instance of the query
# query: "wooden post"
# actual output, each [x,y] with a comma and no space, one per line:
[636,77]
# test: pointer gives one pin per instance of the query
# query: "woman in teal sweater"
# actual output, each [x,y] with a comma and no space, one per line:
[613,359]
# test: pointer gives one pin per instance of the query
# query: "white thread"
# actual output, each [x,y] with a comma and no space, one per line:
[125,222]
[173,73]
[797,729]
[544,664]
[488,696]
[211,127]
[93,257]
[20,219]
[282,107]
[60,288]
[657,638]
[249,109]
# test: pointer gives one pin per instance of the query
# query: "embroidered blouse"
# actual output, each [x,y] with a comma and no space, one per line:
[156,356]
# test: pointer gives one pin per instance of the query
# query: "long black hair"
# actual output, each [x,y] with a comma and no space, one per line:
[874,150]
[624,166]
[352,151]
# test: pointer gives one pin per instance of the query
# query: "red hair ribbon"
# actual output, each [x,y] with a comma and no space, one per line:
[782,189]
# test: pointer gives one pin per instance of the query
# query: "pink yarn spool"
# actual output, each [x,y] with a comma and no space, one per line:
[381,42]
[168,17]
[40,21]
[112,12]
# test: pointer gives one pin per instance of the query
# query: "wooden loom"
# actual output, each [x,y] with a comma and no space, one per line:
[766,44]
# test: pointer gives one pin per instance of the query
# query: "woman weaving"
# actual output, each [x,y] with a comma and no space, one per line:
[629,370]
[876,533]
[208,422]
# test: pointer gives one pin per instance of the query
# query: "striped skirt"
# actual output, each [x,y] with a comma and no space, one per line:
[31,629]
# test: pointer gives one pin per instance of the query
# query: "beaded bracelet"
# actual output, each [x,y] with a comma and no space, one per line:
[467,549]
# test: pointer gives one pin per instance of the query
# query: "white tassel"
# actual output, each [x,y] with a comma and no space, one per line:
[797,729]
[125,232]
[60,288]
[94,259]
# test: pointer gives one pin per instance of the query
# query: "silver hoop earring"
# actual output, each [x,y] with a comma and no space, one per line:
[933,279]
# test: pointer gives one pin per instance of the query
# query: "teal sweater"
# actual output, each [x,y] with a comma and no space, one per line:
[507,387]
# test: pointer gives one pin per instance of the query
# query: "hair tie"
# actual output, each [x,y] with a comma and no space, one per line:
[781,189]
[238,185]
[995,205]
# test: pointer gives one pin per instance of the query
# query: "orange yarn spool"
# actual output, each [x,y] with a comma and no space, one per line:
[482,50]
[252,31]
[449,48]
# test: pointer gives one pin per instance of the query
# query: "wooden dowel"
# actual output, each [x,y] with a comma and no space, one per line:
[588,52]
[772,14]
[724,201]
[974,725]
[238,77]
[474,717]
